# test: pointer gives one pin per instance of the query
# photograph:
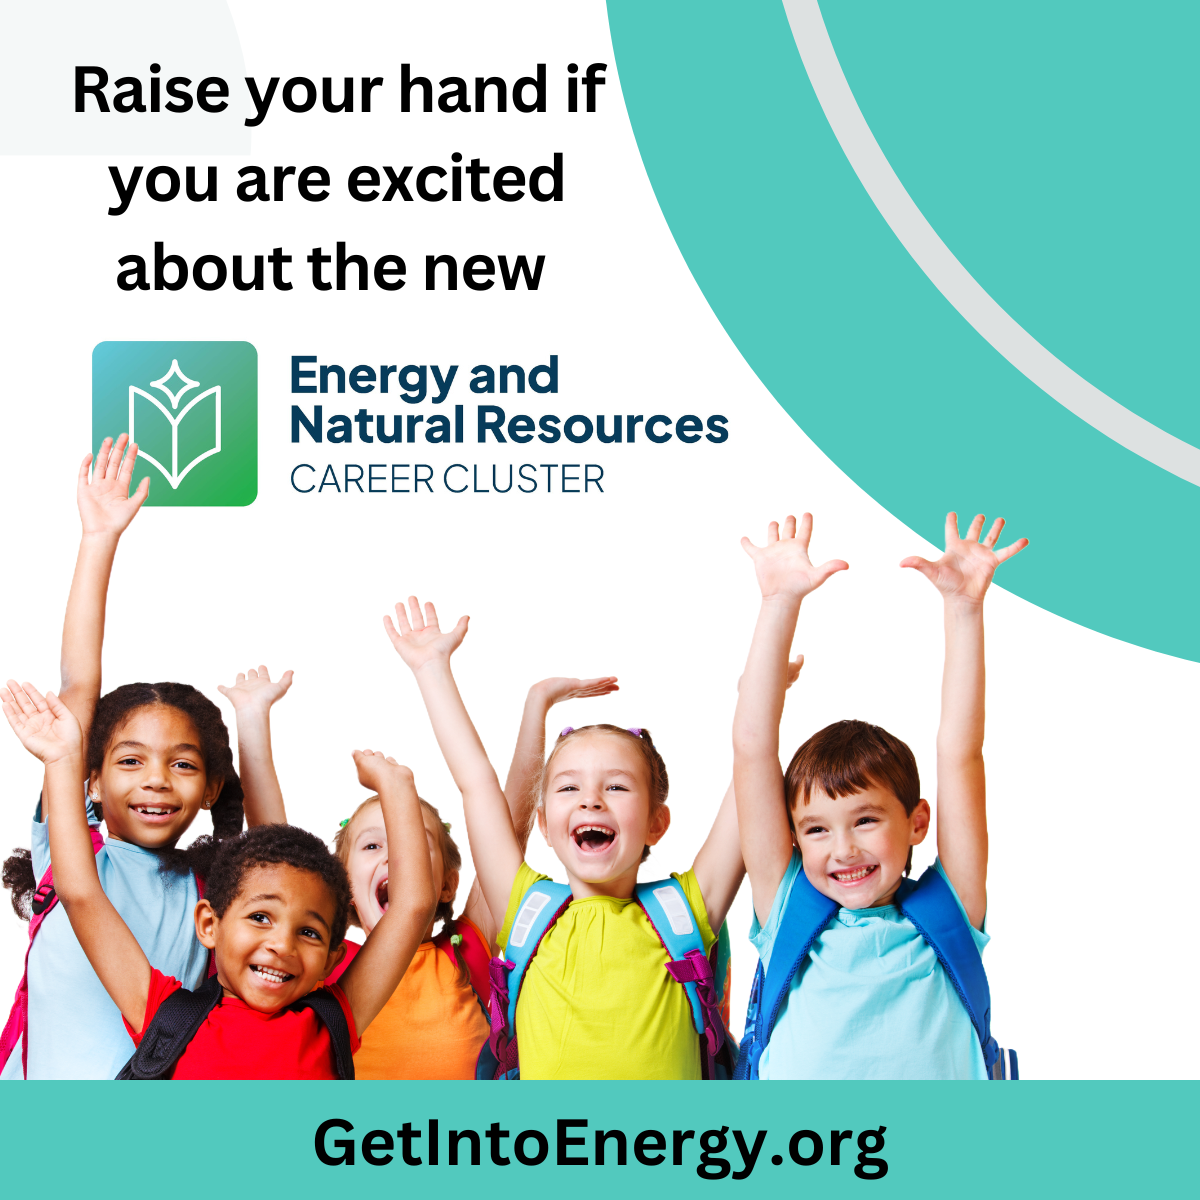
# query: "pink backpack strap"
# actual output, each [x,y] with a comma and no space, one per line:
[17,1025]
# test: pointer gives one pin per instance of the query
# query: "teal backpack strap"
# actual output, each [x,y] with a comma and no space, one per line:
[542,905]
[666,904]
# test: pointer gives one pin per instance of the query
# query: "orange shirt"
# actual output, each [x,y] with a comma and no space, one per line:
[431,1028]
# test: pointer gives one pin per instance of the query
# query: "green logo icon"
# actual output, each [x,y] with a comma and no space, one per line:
[192,408]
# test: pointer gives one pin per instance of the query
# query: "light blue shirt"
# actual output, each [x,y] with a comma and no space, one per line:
[873,1002]
[75,1030]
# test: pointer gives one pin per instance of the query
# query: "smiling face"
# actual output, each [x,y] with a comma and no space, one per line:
[152,781]
[596,813]
[272,945]
[367,864]
[855,847]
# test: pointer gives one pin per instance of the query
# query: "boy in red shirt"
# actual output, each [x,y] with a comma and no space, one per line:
[274,915]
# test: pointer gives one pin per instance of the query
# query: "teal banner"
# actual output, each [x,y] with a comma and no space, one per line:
[588,1139]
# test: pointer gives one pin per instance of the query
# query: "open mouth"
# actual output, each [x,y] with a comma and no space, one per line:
[855,876]
[592,839]
[155,812]
[381,896]
[270,975]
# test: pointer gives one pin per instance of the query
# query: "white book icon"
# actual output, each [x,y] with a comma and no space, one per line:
[174,416]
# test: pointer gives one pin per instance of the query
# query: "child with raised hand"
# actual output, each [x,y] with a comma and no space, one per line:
[252,695]
[156,755]
[865,974]
[597,1000]
[434,1023]
[274,919]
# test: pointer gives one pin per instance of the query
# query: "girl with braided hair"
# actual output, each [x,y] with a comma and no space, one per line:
[434,1023]
[156,755]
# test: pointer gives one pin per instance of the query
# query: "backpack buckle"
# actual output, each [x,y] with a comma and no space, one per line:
[42,899]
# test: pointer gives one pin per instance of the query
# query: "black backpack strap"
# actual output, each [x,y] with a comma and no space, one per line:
[323,1002]
[174,1025]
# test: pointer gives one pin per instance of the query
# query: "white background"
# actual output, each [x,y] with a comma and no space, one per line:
[1091,742]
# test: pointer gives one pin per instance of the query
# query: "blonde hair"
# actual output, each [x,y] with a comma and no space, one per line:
[657,769]
[451,859]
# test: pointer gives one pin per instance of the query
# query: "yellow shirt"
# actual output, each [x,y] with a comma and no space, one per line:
[597,1001]
[431,1028]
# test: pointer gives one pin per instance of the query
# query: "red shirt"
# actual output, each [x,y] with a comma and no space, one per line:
[239,1042]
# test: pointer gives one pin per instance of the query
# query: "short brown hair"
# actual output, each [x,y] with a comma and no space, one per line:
[659,784]
[848,757]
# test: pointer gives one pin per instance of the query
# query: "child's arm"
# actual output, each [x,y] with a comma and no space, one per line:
[962,575]
[49,731]
[525,770]
[105,509]
[529,754]
[785,576]
[377,968]
[426,650]
[719,867]
[252,696]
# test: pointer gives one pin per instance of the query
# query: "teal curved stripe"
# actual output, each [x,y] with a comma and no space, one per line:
[860,348]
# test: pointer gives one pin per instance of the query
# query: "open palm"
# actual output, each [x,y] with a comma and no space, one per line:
[105,505]
[965,571]
[555,691]
[418,637]
[782,566]
[256,689]
[44,724]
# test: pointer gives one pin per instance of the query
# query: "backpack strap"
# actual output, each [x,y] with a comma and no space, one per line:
[930,905]
[721,957]
[670,915]
[44,899]
[805,915]
[541,905]
[331,1014]
[174,1025]
[181,1014]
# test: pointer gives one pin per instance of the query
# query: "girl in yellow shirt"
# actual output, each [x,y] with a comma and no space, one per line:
[597,1000]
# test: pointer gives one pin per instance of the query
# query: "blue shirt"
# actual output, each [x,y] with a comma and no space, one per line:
[75,1030]
[872,1002]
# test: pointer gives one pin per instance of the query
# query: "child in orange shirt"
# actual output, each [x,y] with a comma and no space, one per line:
[435,1022]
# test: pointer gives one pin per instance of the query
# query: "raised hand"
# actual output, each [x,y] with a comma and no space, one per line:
[966,569]
[45,725]
[105,505]
[555,691]
[256,690]
[419,639]
[376,770]
[783,567]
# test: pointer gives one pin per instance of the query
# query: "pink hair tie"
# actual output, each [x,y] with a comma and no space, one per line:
[569,729]
[637,733]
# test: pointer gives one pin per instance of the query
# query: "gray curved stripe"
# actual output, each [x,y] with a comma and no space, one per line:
[951,278]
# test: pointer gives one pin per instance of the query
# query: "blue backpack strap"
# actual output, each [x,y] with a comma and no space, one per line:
[666,904]
[542,904]
[805,914]
[930,905]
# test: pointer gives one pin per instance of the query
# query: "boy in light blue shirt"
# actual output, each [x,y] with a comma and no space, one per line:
[871,999]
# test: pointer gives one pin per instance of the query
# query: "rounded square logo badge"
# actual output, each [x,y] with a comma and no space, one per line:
[192,408]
